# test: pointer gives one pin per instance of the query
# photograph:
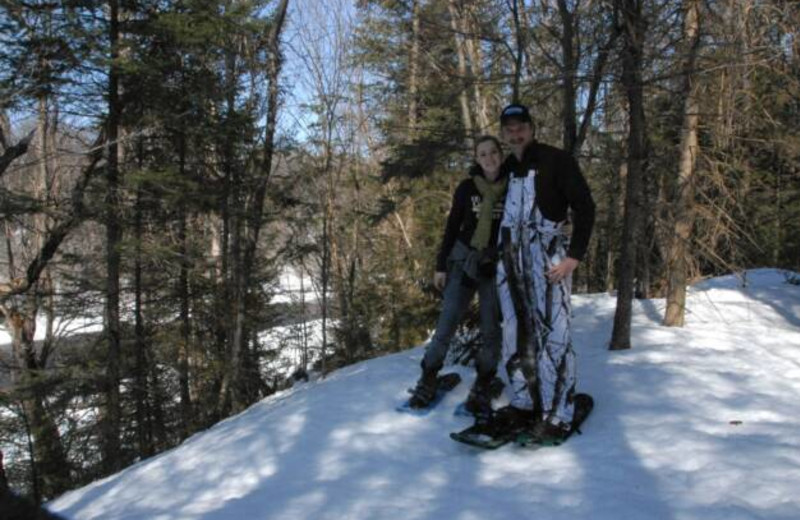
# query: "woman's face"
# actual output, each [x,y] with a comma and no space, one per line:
[488,156]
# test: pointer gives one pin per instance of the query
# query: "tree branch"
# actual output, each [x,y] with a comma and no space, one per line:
[60,231]
[13,153]
[594,87]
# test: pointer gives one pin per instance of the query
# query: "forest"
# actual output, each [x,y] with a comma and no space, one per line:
[162,162]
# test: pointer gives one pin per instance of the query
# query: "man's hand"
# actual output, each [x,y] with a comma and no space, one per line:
[562,270]
[439,280]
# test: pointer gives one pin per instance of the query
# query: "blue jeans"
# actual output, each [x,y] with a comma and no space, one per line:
[457,297]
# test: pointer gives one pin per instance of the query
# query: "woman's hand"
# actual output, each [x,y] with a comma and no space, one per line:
[562,270]
[439,280]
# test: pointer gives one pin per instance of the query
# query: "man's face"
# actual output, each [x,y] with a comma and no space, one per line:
[517,134]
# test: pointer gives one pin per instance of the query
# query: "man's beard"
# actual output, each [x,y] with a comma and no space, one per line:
[517,145]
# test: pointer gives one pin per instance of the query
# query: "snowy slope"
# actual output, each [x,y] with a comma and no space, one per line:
[696,423]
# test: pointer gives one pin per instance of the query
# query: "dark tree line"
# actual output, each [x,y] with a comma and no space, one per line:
[138,197]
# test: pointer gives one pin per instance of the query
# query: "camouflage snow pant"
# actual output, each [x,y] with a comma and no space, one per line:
[539,244]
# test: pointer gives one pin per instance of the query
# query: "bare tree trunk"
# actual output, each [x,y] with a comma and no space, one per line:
[779,217]
[413,70]
[48,451]
[683,219]
[457,26]
[225,301]
[49,465]
[46,188]
[3,478]
[594,87]
[328,66]
[233,304]
[48,461]
[569,70]
[19,304]
[144,437]
[482,117]
[325,275]
[520,51]
[328,239]
[635,27]
[112,412]
[611,228]
[183,295]
[303,309]
[11,153]
[239,381]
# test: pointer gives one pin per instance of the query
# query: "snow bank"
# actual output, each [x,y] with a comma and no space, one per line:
[696,423]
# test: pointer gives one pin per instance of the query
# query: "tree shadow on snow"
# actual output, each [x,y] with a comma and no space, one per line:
[338,450]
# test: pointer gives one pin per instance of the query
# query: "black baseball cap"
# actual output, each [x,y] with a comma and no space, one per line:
[515,112]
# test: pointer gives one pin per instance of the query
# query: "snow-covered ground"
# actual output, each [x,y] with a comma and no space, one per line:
[696,423]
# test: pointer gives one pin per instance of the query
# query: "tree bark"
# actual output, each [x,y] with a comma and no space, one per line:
[52,467]
[112,413]
[233,305]
[635,26]
[569,69]
[144,436]
[600,62]
[521,42]
[183,296]
[683,215]
[481,116]
[19,305]
[11,153]
[458,37]
[237,380]
[413,70]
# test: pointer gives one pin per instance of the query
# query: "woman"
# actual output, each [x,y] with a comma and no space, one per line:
[466,264]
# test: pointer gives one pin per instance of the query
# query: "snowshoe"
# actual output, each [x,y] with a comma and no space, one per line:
[550,435]
[502,427]
[424,399]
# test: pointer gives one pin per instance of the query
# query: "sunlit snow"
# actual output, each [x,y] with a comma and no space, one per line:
[694,423]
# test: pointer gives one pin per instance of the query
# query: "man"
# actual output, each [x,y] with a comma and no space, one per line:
[539,363]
